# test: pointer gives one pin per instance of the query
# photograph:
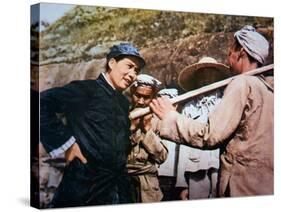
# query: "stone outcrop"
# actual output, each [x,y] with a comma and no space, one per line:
[164,61]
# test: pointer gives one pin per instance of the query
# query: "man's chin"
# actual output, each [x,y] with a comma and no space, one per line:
[125,86]
[122,87]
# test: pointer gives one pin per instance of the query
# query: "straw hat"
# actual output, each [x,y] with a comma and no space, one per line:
[205,72]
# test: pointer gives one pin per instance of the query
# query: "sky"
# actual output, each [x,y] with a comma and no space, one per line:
[49,12]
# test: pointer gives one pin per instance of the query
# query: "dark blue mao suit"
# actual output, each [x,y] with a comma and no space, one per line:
[97,117]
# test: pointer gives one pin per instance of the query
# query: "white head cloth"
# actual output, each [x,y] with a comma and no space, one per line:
[170,92]
[144,79]
[253,43]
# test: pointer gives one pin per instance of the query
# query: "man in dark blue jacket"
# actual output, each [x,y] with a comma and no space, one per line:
[96,137]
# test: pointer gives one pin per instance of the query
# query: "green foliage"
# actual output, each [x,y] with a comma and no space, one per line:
[96,25]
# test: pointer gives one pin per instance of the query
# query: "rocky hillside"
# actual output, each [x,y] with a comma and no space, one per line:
[75,45]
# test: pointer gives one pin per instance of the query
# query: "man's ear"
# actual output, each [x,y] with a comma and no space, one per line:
[111,63]
[242,53]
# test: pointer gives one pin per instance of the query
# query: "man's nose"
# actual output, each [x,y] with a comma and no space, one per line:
[141,101]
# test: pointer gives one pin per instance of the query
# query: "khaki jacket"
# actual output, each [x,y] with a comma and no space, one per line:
[147,152]
[242,125]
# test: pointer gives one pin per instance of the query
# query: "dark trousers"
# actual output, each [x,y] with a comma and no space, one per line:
[81,186]
[167,185]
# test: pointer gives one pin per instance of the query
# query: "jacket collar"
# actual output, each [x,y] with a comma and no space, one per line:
[103,82]
[107,80]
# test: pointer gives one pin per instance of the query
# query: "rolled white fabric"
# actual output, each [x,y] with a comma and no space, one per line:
[144,79]
[170,92]
[253,43]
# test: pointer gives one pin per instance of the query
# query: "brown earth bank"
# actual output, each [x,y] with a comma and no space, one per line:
[163,61]
[74,46]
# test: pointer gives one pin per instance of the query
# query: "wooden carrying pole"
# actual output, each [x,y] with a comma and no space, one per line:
[205,89]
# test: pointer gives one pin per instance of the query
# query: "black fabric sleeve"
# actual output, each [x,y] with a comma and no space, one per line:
[71,98]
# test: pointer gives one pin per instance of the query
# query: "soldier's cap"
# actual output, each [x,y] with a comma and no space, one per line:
[125,49]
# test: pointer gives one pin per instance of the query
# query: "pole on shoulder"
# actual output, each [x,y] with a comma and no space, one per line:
[199,91]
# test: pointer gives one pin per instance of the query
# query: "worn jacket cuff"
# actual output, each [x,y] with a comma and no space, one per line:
[63,148]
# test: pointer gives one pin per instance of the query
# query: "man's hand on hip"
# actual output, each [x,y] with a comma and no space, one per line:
[73,152]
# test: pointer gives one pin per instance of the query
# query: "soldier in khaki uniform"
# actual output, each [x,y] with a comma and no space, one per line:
[147,149]
[242,122]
